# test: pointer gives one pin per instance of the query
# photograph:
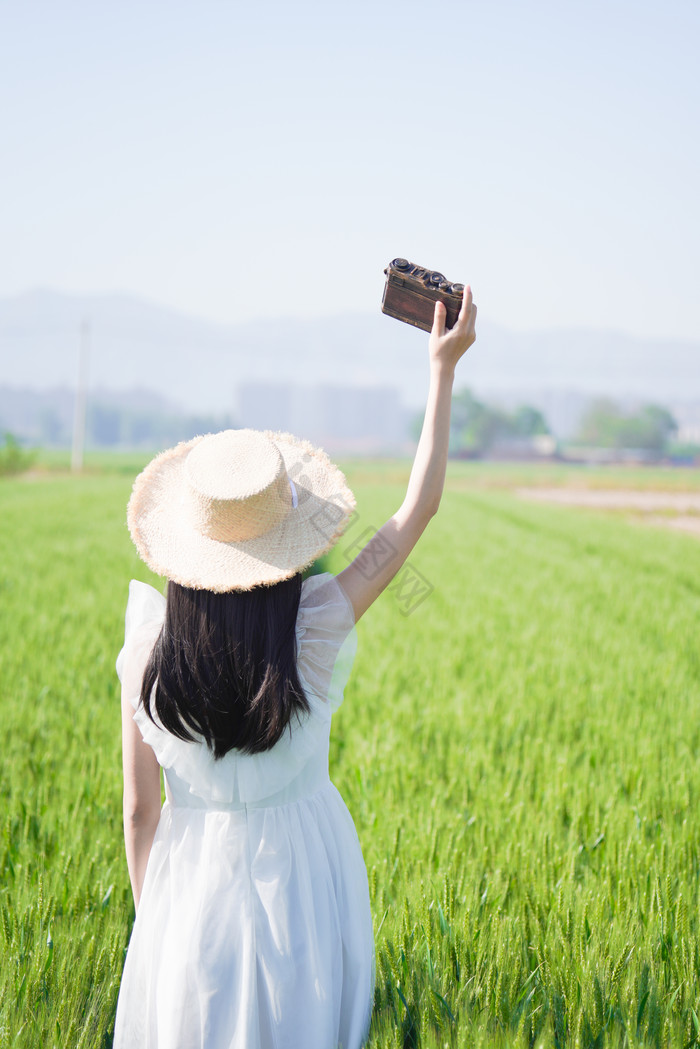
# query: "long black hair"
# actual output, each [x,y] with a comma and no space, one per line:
[224,666]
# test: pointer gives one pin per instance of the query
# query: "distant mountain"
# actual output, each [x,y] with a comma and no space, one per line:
[199,366]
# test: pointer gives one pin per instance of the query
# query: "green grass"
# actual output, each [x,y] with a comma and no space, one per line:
[520,756]
[58,460]
[466,475]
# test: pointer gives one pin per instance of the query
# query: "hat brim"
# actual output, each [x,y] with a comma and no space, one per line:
[161,522]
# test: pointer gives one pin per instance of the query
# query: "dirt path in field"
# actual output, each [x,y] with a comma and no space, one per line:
[678,510]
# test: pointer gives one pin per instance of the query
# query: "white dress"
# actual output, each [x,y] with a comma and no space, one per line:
[254,928]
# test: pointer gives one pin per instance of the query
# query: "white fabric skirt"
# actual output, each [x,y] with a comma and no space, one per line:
[253,932]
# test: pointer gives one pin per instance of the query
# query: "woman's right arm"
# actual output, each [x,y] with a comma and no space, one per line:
[142,799]
[377,564]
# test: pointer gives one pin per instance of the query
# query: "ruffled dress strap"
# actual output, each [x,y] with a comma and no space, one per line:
[326,638]
[145,612]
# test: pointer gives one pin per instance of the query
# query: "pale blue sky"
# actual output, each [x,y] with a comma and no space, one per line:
[242,160]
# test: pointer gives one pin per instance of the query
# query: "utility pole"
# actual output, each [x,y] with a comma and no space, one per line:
[76,460]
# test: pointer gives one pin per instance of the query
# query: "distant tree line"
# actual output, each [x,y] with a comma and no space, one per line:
[109,426]
[113,426]
[649,429]
[477,427]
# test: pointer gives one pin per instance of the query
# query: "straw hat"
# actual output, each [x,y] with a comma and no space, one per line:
[237,509]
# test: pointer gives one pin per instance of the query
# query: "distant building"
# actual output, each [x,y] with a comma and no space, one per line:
[350,419]
[687,416]
[265,406]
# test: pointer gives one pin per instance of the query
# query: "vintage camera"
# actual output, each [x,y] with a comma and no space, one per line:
[410,294]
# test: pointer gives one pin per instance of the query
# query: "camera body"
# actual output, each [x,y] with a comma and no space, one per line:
[411,291]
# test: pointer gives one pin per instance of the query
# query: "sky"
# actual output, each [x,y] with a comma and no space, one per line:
[239,161]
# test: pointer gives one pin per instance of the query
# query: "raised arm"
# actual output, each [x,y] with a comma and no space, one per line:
[377,564]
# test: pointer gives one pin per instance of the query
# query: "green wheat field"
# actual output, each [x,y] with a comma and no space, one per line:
[520,754]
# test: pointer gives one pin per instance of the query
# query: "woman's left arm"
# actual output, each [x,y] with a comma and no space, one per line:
[142,801]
